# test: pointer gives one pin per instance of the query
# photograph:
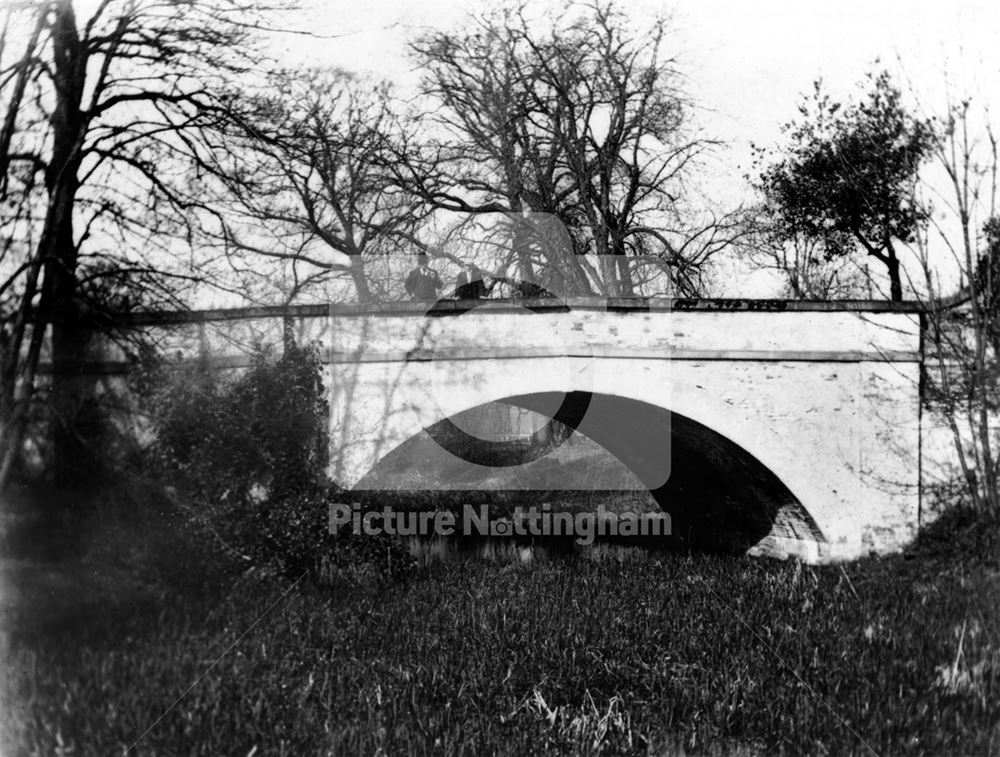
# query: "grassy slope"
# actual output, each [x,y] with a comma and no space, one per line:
[676,655]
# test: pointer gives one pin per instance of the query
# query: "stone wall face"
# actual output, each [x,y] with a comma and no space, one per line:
[802,335]
[827,401]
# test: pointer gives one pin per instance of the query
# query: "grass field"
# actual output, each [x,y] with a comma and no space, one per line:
[617,653]
[614,654]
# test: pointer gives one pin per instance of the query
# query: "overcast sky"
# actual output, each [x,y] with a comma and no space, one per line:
[747,62]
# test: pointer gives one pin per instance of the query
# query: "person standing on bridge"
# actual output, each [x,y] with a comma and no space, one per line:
[470,284]
[423,282]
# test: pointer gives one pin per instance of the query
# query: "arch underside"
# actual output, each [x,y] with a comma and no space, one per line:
[718,495]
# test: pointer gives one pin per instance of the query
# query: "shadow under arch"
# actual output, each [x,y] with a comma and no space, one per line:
[719,496]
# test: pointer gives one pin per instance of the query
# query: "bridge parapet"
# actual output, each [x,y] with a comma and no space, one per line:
[766,330]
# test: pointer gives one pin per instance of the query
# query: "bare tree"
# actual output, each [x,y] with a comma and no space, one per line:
[98,114]
[585,120]
[303,169]
[808,267]
[963,328]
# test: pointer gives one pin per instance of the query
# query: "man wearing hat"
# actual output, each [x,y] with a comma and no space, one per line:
[423,282]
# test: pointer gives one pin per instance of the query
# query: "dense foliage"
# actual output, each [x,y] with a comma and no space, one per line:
[847,175]
[248,456]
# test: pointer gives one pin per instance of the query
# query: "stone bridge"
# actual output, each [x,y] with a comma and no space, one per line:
[787,428]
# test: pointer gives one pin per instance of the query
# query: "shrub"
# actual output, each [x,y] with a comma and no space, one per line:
[236,440]
[248,455]
[290,532]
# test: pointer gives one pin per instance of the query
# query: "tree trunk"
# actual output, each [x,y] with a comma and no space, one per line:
[521,240]
[895,282]
[74,451]
[361,287]
[76,414]
[74,443]
[624,276]
[14,409]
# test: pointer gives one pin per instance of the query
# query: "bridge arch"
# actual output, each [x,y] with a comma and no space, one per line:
[699,424]
[718,495]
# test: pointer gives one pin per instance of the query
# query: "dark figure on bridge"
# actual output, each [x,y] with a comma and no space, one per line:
[470,284]
[423,282]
